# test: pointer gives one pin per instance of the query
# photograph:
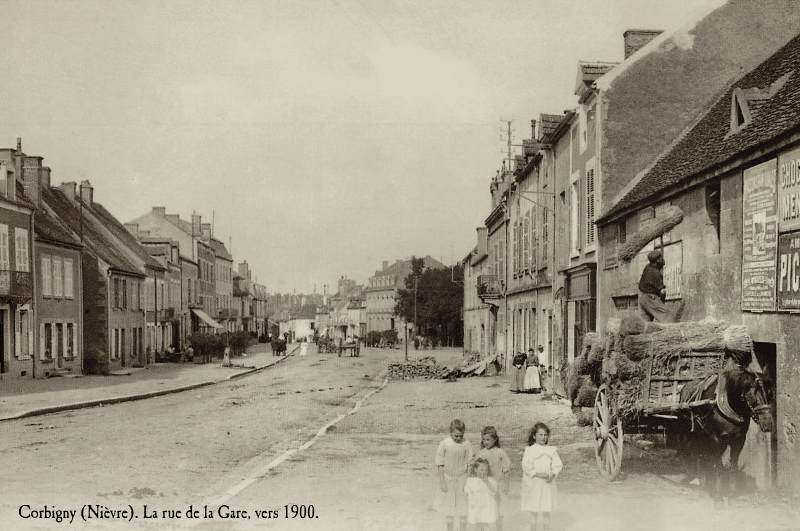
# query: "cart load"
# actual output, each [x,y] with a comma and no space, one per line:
[632,377]
[647,363]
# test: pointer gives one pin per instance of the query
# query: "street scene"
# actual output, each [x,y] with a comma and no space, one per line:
[400,265]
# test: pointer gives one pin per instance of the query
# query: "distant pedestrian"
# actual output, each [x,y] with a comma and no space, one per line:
[481,490]
[416,342]
[518,366]
[499,467]
[453,457]
[190,353]
[532,383]
[542,355]
[540,467]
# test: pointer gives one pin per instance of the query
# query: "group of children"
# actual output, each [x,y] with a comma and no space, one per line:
[474,485]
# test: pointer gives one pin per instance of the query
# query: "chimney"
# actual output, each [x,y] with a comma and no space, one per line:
[196,225]
[68,189]
[30,178]
[533,129]
[87,193]
[637,38]
[160,211]
[44,177]
[385,265]
[205,229]
[19,145]
[133,228]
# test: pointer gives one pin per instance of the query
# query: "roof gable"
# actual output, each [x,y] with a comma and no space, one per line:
[121,233]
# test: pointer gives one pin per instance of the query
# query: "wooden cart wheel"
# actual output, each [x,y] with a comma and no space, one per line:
[607,436]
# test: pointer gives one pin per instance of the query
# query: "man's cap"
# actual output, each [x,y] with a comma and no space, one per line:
[653,256]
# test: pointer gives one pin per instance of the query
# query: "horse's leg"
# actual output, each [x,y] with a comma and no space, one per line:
[736,445]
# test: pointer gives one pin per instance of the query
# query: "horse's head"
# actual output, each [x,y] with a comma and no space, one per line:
[754,393]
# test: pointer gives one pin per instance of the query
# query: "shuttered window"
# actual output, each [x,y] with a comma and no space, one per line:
[69,288]
[47,277]
[4,262]
[58,277]
[21,249]
[526,240]
[590,207]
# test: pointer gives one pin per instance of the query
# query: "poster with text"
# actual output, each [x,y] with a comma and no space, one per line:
[789,271]
[759,237]
[789,191]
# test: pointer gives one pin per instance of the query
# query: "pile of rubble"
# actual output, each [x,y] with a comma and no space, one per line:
[422,368]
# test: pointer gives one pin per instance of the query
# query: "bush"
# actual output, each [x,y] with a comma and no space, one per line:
[95,361]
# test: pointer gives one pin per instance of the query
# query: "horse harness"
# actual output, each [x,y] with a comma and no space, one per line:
[721,399]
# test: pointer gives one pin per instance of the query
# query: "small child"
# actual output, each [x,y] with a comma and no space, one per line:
[540,467]
[499,465]
[452,461]
[481,493]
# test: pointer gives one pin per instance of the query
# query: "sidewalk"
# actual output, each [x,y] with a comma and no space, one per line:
[26,398]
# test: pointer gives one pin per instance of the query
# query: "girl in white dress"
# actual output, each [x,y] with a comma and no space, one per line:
[540,467]
[481,491]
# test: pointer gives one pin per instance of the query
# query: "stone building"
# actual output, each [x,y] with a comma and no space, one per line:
[736,177]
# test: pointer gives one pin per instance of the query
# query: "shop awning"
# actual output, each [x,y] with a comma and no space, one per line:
[203,316]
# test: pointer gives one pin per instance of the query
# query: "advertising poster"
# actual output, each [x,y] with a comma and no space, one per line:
[789,191]
[759,237]
[789,271]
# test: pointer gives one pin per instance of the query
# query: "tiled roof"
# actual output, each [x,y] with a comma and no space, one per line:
[122,234]
[45,226]
[220,250]
[93,240]
[549,123]
[401,268]
[710,142]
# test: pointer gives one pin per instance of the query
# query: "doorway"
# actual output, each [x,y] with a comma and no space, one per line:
[3,352]
[766,357]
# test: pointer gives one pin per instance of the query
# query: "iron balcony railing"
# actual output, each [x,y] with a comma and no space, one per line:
[489,287]
[16,284]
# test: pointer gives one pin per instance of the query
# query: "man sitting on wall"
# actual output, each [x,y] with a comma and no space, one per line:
[652,292]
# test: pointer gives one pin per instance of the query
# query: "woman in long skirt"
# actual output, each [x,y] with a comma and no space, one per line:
[532,383]
[518,370]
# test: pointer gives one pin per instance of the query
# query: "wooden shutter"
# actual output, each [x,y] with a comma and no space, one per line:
[590,207]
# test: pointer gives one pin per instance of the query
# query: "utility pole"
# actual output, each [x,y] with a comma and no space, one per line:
[415,305]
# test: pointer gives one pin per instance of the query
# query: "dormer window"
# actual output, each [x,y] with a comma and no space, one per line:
[740,112]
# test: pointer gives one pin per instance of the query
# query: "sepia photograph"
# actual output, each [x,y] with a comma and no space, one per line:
[403,265]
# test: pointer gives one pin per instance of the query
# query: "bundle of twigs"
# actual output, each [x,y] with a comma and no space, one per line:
[635,242]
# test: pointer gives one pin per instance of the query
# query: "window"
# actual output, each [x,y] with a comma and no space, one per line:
[59,337]
[71,346]
[4,262]
[24,333]
[47,277]
[46,341]
[58,277]
[124,292]
[590,207]
[21,249]
[69,289]
[545,235]
[4,180]
[526,237]
[713,208]
[574,217]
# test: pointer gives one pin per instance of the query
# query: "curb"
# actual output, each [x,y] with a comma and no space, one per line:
[138,396]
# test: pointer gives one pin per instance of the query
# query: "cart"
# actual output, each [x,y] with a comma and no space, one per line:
[351,348]
[658,406]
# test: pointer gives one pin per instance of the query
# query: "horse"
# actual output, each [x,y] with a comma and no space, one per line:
[278,346]
[738,395]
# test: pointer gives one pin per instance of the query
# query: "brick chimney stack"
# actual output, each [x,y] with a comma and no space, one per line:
[205,228]
[31,166]
[133,228]
[44,177]
[68,189]
[385,265]
[159,211]
[87,192]
[197,229]
[637,38]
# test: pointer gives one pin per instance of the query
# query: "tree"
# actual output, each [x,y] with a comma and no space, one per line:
[439,301]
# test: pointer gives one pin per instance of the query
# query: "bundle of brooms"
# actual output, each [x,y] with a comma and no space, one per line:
[635,242]
[632,348]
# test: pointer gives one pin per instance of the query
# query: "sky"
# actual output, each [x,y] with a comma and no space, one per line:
[321,137]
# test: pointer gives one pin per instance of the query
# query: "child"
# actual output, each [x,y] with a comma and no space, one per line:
[499,465]
[540,467]
[452,460]
[481,493]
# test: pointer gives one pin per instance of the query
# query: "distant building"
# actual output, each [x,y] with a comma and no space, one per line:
[381,295]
